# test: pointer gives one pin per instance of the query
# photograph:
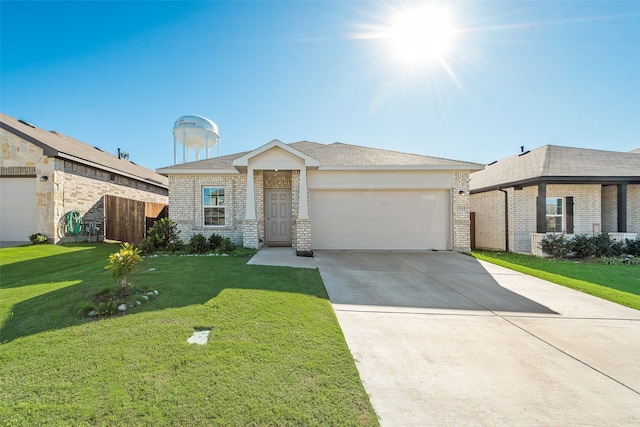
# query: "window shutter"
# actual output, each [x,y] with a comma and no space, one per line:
[569,210]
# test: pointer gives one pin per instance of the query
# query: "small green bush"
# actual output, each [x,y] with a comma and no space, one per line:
[163,236]
[582,246]
[605,247]
[585,246]
[38,238]
[214,241]
[226,246]
[198,244]
[632,247]
[123,264]
[555,245]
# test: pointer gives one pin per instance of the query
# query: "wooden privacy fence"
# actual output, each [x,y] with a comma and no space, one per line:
[128,220]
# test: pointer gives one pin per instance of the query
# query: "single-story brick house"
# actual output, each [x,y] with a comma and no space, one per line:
[313,196]
[555,189]
[44,175]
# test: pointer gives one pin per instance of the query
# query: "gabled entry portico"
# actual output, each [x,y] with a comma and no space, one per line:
[277,212]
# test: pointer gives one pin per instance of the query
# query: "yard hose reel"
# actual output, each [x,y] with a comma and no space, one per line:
[74,223]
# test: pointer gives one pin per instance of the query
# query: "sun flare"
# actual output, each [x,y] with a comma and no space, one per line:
[421,34]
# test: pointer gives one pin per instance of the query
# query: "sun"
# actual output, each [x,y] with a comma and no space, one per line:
[421,34]
[414,38]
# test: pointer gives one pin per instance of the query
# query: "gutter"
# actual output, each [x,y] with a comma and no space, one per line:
[506,218]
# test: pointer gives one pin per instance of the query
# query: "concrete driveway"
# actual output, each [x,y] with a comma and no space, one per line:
[440,338]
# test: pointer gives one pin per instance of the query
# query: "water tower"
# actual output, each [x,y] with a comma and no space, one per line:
[194,133]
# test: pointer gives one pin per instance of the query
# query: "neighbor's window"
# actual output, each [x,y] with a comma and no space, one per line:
[554,215]
[213,204]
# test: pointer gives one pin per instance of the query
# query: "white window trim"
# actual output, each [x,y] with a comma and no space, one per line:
[204,207]
[561,216]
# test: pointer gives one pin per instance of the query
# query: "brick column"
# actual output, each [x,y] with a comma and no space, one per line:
[461,233]
[303,237]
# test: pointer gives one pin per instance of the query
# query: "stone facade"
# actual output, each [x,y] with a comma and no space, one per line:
[70,186]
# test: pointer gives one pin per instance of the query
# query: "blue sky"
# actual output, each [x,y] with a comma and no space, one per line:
[118,74]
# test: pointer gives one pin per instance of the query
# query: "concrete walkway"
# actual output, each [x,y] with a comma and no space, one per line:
[282,257]
[440,338]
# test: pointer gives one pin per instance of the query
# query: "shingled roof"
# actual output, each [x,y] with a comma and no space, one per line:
[336,155]
[55,144]
[552,163]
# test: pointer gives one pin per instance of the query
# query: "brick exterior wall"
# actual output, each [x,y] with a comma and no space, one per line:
[588,214]
[460,217]
[71,186]
[187,211]
[522,218]
[489,213]
[633,208]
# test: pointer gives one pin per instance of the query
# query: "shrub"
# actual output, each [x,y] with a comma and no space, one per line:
[605,247]
[198,244]
[163,236]
[38,238]
[632,247]
[214,241]
[226,246]
[124,263]
[583,246]
[555,245]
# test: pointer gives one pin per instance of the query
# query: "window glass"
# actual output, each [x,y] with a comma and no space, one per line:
[213,205]
[554,215]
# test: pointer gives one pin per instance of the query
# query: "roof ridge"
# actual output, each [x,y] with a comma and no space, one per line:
[401,152]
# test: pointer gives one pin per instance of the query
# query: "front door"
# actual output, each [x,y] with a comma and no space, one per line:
[278,217]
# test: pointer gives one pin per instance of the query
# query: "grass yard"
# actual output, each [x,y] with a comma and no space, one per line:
[617,283]
[276,354]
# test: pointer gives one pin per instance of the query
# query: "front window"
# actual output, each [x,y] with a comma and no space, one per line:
[554,215]
[213,205]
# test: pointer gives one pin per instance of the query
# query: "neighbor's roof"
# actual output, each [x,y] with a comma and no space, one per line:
[552,163]
[335,156]
[58,145]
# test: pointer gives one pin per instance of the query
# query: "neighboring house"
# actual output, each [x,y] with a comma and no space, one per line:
[554,189]
[44,175]
[312,196]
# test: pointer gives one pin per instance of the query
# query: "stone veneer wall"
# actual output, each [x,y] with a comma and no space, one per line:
[71,186]
[186,209]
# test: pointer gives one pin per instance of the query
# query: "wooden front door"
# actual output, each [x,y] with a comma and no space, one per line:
[278,217]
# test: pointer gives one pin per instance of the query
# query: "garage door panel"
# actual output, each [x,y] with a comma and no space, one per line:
[17,208]
[380,220]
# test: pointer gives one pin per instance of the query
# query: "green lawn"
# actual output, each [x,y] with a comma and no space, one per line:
[276,354]
[617,283]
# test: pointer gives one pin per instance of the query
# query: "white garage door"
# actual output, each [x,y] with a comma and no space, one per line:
[17,209]
[380,219]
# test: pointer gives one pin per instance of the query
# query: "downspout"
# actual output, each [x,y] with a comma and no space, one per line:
[506,219]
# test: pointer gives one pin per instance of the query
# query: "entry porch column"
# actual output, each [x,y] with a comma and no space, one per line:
[303,223]
[250,235]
